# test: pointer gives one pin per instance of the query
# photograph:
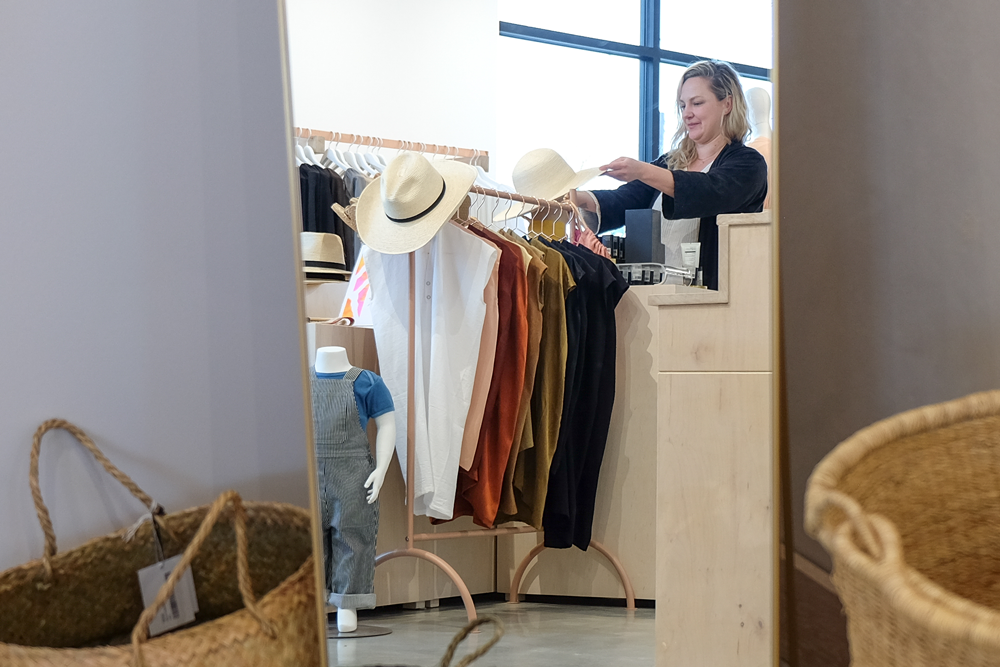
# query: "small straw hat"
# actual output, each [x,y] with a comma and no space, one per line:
[405,208]
[323,257]
[543,173]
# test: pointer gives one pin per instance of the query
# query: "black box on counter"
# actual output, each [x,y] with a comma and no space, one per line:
[642,237]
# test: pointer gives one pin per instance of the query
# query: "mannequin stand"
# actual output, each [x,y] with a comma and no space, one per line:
[362,631]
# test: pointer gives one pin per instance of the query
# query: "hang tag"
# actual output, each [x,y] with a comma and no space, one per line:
[180,608]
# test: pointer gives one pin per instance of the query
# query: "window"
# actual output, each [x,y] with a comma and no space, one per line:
[555,114]
[612,69]
[617,21]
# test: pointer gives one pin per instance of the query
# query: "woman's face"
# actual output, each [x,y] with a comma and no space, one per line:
[701,112]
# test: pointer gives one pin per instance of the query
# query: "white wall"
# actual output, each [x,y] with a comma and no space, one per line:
[397,69]
[889,204]
[147,262]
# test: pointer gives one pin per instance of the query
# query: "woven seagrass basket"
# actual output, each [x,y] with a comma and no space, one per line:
[253,573]
[909,508]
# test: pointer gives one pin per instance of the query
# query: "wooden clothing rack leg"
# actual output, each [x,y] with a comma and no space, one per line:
[411,538]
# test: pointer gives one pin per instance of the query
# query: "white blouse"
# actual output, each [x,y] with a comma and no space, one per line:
[451,272]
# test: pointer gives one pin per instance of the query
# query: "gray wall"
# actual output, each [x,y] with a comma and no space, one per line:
[890,195]
[147,260]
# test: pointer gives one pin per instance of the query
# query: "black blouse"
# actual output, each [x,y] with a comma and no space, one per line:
[735,183]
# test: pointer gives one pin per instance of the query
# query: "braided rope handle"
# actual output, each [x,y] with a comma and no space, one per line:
[859,520]
[141,631]
[479,652]
[36,493]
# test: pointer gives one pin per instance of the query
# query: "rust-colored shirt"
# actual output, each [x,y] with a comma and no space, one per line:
[479,488]
[524,436]
[531,472]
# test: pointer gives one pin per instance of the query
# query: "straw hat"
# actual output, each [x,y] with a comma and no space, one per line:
[323,257]
[407,206]
[543,173]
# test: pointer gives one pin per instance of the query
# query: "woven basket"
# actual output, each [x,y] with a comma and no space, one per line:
[253,573]
[909,508]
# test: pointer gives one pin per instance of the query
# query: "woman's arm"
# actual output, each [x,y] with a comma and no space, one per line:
[733,185]
[628,170]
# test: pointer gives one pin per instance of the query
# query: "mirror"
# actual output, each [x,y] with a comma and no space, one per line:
[566,76]
[150,303]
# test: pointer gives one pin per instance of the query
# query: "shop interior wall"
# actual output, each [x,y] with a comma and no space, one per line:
[417,71]
[890,245]
[147,265]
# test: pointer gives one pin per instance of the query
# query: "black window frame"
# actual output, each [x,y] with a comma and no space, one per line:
[650,57]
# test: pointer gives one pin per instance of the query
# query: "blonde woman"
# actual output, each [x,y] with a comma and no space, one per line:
[707,172]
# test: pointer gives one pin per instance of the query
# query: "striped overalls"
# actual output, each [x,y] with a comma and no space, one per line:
[344,462]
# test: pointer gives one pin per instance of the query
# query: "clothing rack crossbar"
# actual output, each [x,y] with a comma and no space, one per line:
[396,144]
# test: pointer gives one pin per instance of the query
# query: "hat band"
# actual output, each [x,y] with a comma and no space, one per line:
[426,210]
[326,265]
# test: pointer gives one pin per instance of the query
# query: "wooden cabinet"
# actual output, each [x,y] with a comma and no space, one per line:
[716,549]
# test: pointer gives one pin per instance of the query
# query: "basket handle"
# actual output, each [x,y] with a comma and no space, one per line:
[464,632]
[141,631]
[36,493]
[860,521]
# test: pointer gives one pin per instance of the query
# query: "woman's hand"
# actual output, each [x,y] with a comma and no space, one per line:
[625,169]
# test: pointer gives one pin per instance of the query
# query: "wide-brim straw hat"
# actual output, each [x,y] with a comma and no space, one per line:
[405,208]
[544,174]
[323,257]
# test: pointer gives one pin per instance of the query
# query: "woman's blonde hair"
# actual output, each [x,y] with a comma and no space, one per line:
[724,82]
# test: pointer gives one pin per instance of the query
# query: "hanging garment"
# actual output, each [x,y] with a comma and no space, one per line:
[586,238]
[344,462]
[484,369]
[576,465]
[763,146]
[320,189]
[524,437]
[480,486]
[452,271]
[356,182]
[531,471]
[561,487]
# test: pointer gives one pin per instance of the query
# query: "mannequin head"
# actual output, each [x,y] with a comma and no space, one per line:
[332,360]
[760,111]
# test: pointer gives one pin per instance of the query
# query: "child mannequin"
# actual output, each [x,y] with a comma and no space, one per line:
[350,480]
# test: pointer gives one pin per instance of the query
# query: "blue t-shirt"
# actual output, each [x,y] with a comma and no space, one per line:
[370,394]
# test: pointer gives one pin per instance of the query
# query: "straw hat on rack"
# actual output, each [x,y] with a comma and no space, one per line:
[405,208]
[544,174]
[323,257]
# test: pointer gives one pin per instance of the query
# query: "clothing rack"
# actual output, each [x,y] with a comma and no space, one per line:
[472,156]
[412,537]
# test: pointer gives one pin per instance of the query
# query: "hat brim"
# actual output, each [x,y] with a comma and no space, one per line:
[582,177]
[317,270]
[555,191]
[311,279]
[395,238]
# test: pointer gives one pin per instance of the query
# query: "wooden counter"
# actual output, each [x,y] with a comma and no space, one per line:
[715,517]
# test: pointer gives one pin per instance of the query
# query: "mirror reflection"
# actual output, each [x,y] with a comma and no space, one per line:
[537,255]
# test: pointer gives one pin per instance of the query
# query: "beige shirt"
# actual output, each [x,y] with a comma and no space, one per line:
[484,368]
[763,146]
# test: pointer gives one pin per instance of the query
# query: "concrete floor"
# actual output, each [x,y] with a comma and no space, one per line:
[536,634]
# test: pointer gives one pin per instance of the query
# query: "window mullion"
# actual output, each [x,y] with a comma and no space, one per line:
[649,82]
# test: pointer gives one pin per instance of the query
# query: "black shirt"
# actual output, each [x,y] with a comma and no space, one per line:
[735,183]
[588,401]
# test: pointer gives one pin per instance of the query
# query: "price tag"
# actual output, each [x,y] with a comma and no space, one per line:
[180,608]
